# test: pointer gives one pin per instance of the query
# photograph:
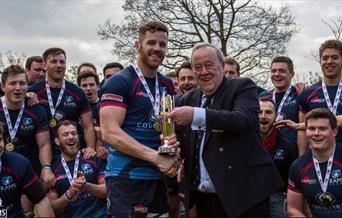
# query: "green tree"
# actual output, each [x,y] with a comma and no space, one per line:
[243,29]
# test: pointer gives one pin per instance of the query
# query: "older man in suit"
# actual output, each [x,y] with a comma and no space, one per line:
[227,171]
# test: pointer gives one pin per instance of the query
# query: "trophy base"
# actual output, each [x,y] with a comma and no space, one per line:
[164,149]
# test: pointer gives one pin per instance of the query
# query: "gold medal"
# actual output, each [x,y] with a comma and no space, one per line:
[157,126]
[52,123]
[9,146]
[326,199]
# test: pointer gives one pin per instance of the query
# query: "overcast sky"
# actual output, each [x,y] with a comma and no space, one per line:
[31,26]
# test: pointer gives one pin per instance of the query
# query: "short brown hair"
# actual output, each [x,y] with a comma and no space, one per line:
[152,26]
[12,70]
[86,74]
[185,65]
[64,123]
[32,59]
[332,43]
[171,74]
[86,64]
[112,65]
[231,61]
[53,52]
[318,113]
[283,59]
[268,99]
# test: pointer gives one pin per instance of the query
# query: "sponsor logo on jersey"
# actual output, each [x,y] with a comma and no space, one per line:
[148,125]
[140,208]
[69,101]
[7,184]
[141,93]
[3,210]
[27,124]
[87,169]
[279,154]
[308,181]
[317,100]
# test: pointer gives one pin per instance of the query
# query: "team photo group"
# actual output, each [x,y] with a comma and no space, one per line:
[199,141]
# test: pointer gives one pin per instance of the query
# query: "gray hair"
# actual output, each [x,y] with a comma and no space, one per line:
[206,44]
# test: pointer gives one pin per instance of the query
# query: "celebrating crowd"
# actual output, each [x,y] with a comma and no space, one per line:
[92,149]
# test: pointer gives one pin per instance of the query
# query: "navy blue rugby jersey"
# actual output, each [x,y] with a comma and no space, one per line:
[73,104]
[33,122]
[313,97]
[16,175]
[303,179]
[86,204]
[289,111]
[125,89]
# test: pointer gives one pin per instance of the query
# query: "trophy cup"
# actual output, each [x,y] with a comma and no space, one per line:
[167,125]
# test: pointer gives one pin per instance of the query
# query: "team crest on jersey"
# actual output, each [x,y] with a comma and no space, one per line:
[69,101]
[7,180]
[86,169]
[279,154]
[27,124]
[8,183]
[291,100]
[336,174]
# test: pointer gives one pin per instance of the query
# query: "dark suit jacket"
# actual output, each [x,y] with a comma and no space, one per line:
[240,168]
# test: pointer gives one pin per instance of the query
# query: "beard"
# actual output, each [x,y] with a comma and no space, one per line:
[145,58]
[265,128]
[187,88]
[69,151]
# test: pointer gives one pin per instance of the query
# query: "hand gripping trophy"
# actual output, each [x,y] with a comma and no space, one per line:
[167,124]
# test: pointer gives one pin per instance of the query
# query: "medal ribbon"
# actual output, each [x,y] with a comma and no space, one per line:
[12,131]
[59,99]
[324,185]
[332,108]
[282,102]
[66,168]
[155,102]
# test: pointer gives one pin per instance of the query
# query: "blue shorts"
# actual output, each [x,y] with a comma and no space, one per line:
[136,198]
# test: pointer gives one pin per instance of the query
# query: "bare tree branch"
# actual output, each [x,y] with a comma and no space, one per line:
[242,29]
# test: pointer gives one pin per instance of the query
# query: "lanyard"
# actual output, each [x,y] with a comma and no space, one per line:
[324,185]
[282,102]
[155,102]
[59,99]
[332,108]
[12,131]
[66,168]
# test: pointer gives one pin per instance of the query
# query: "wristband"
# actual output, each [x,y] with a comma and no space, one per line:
[46,166]
[67,197]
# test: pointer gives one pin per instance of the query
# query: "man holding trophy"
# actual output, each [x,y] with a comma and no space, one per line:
[132,116]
